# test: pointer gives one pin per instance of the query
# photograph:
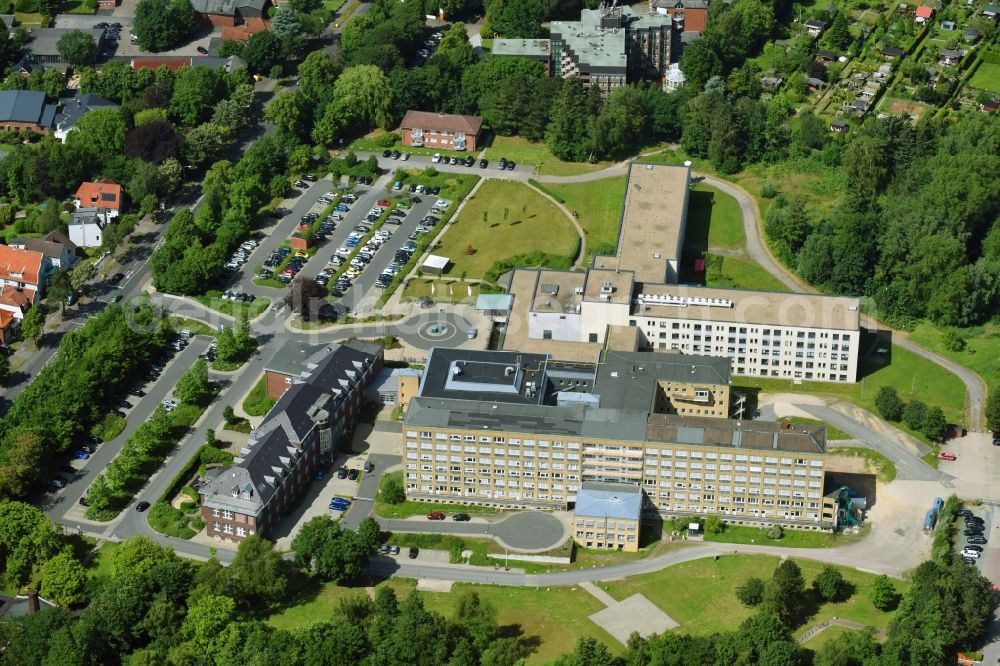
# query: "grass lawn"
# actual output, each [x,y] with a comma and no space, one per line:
[791,538]
[700,595]
[981,353]
[100,564]
[713,217]
[213,300]
[555,618]
[257,403]
[372,143]
[408,508]
[831,432]
[196,327]
[532,224]
[987,77]
[827,635]
[736,273]
[599,206]
[877,463]
[454,186]
[905,370]
[77,7]
[32,20]
[537,155]
[444,292]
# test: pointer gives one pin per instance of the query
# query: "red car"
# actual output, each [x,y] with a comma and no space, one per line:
[383,203]
[435,515]
[946,456]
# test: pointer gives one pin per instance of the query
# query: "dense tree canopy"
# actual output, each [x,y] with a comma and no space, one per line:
[162,24]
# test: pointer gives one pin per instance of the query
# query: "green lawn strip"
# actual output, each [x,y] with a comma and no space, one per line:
[931,459]
[257,402]
[719,212]
[791,538]
[408,509]
[454,188]
[598,205]
[883,468]
[28,20]
[100,565]
[987,77]
[212,300]
[734,273]
[196,327]
[444,292]
[929,382]
[831,432]
[700,594]
[165,519]
[981,353]
[537,156]
[532,224]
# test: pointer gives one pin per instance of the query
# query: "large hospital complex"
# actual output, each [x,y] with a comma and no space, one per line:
[611,396]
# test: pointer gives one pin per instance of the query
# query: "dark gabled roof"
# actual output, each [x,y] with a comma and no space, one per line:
[50,249]
[24,106]
[27,64]
[893,51]
[227,7]
[76,108]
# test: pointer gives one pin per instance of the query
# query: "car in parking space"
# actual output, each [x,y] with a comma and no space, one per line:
[483,163]
[369,466]
[437,158]
[319,475]
[502,164]
[384,549]
[969,550]
[386,153]
[169,405]
[979,540]
[404,156]
[947,455]
[511,165]
[394,549]
[57,482]
[342,473]
[461,517]
[470,161]
[414,551]
[323,200]
[435,515]
[80,454]
[395,155]
[353,474]
[472,333]
[310,177]
[142,506]
[301,184]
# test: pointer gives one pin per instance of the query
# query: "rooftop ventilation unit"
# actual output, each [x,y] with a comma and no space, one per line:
[607,287]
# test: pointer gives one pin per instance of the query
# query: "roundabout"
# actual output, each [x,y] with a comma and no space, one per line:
[530,531]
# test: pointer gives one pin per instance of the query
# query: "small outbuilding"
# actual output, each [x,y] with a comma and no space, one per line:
[435,265]
[496,306]
[924,14]
[839,126]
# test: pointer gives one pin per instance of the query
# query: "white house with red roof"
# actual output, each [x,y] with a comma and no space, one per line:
[104,195]
[24,270]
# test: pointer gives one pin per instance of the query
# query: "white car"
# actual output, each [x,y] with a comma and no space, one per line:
[440,203]
[170,405]
[436,158]
[343,252]
[968,552]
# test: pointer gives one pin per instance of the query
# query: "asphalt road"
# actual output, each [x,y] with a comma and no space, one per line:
[65,503]
[364,502]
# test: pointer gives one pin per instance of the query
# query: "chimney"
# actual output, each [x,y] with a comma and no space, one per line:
[33,606]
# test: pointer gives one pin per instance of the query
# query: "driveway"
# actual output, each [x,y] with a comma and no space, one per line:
[88,21]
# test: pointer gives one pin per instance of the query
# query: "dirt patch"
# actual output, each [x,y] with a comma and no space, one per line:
[846,464]
[428,585]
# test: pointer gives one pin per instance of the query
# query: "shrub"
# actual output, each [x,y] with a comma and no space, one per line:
[714,525]
[913,414]
[387,140]
[188,506]
[953,341]
[198,524]
[883,593]
[769,191]
[392,490]
[830,584]
[751,593]
[775,532]
[888,403]
[110,427]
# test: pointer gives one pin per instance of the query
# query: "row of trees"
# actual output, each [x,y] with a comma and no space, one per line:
[928,421]
[195,246]
[94,364]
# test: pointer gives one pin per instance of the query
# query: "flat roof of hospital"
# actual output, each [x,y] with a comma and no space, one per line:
[652,231]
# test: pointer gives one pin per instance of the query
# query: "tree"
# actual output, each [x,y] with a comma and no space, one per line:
[100,132]
[839,34]
[914,413]
[370,533]
[751,592]
[4,367]
[568,134]
[196,90]
[206,618]
[33,324]
[888,403]
[138,555]
[699,62]
[830,584]
[391,489]
[363,96]
[258,571]
[882,593]
[516,19]
[290,113]
[202,144]
[993,411]
[714,525]
[306,298]
[194,388]
[63,579]
[77,48]
[456,47]
[588,652]
[160,25]
[933,424]
[154,142]
[59,287]
[332,552]
[784,594]
[262,51]
[286,25]
[318,72]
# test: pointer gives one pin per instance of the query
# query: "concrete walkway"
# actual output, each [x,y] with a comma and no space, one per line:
[823,626]
[598,593]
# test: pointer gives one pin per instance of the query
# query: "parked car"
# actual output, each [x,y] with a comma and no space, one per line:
[437,158]
[981,540]
[394,549]
[947,455]
[369,466]
[461,517]
[414,551]
[342,473]
[353,475]
[81,454]
[311,178]
[435,515]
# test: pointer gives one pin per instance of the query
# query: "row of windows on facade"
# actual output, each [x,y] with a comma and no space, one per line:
[600,535]
[743,330]
[784,490]
[665,470]
[775,348]
[610,525]
[228,529]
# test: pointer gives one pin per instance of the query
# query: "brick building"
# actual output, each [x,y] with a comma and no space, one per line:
[318,409]
[25,110]
[446,131]
[230,13]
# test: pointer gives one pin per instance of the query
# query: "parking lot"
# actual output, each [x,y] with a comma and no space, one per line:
[989,560]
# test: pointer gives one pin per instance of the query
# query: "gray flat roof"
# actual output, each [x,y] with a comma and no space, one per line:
[653,220]
[525,48]
[601,499]
[626,380]
[43,41]
[482,375]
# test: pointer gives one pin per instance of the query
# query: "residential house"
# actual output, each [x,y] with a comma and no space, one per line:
[839,126]
[44,43]
[103,195]
[60,250]
[13,305]
[950,57]
[25,110]
[230,13]
[24,270]
[308,422]
[76,108]
[608,516]
[947,25]
[892,52]
[816,27]
[923,14]
[441,130]
[86,226]
[860,105]
[242,33]
[26,65]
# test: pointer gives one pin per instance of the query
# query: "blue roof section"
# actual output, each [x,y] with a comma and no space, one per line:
[24,106]
[494,302]
[621,501]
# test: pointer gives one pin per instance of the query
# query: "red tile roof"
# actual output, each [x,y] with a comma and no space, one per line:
[6,319]
[103,194]
[20,265]
[9,295]
[923,11]
[173,64]
[428,120]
